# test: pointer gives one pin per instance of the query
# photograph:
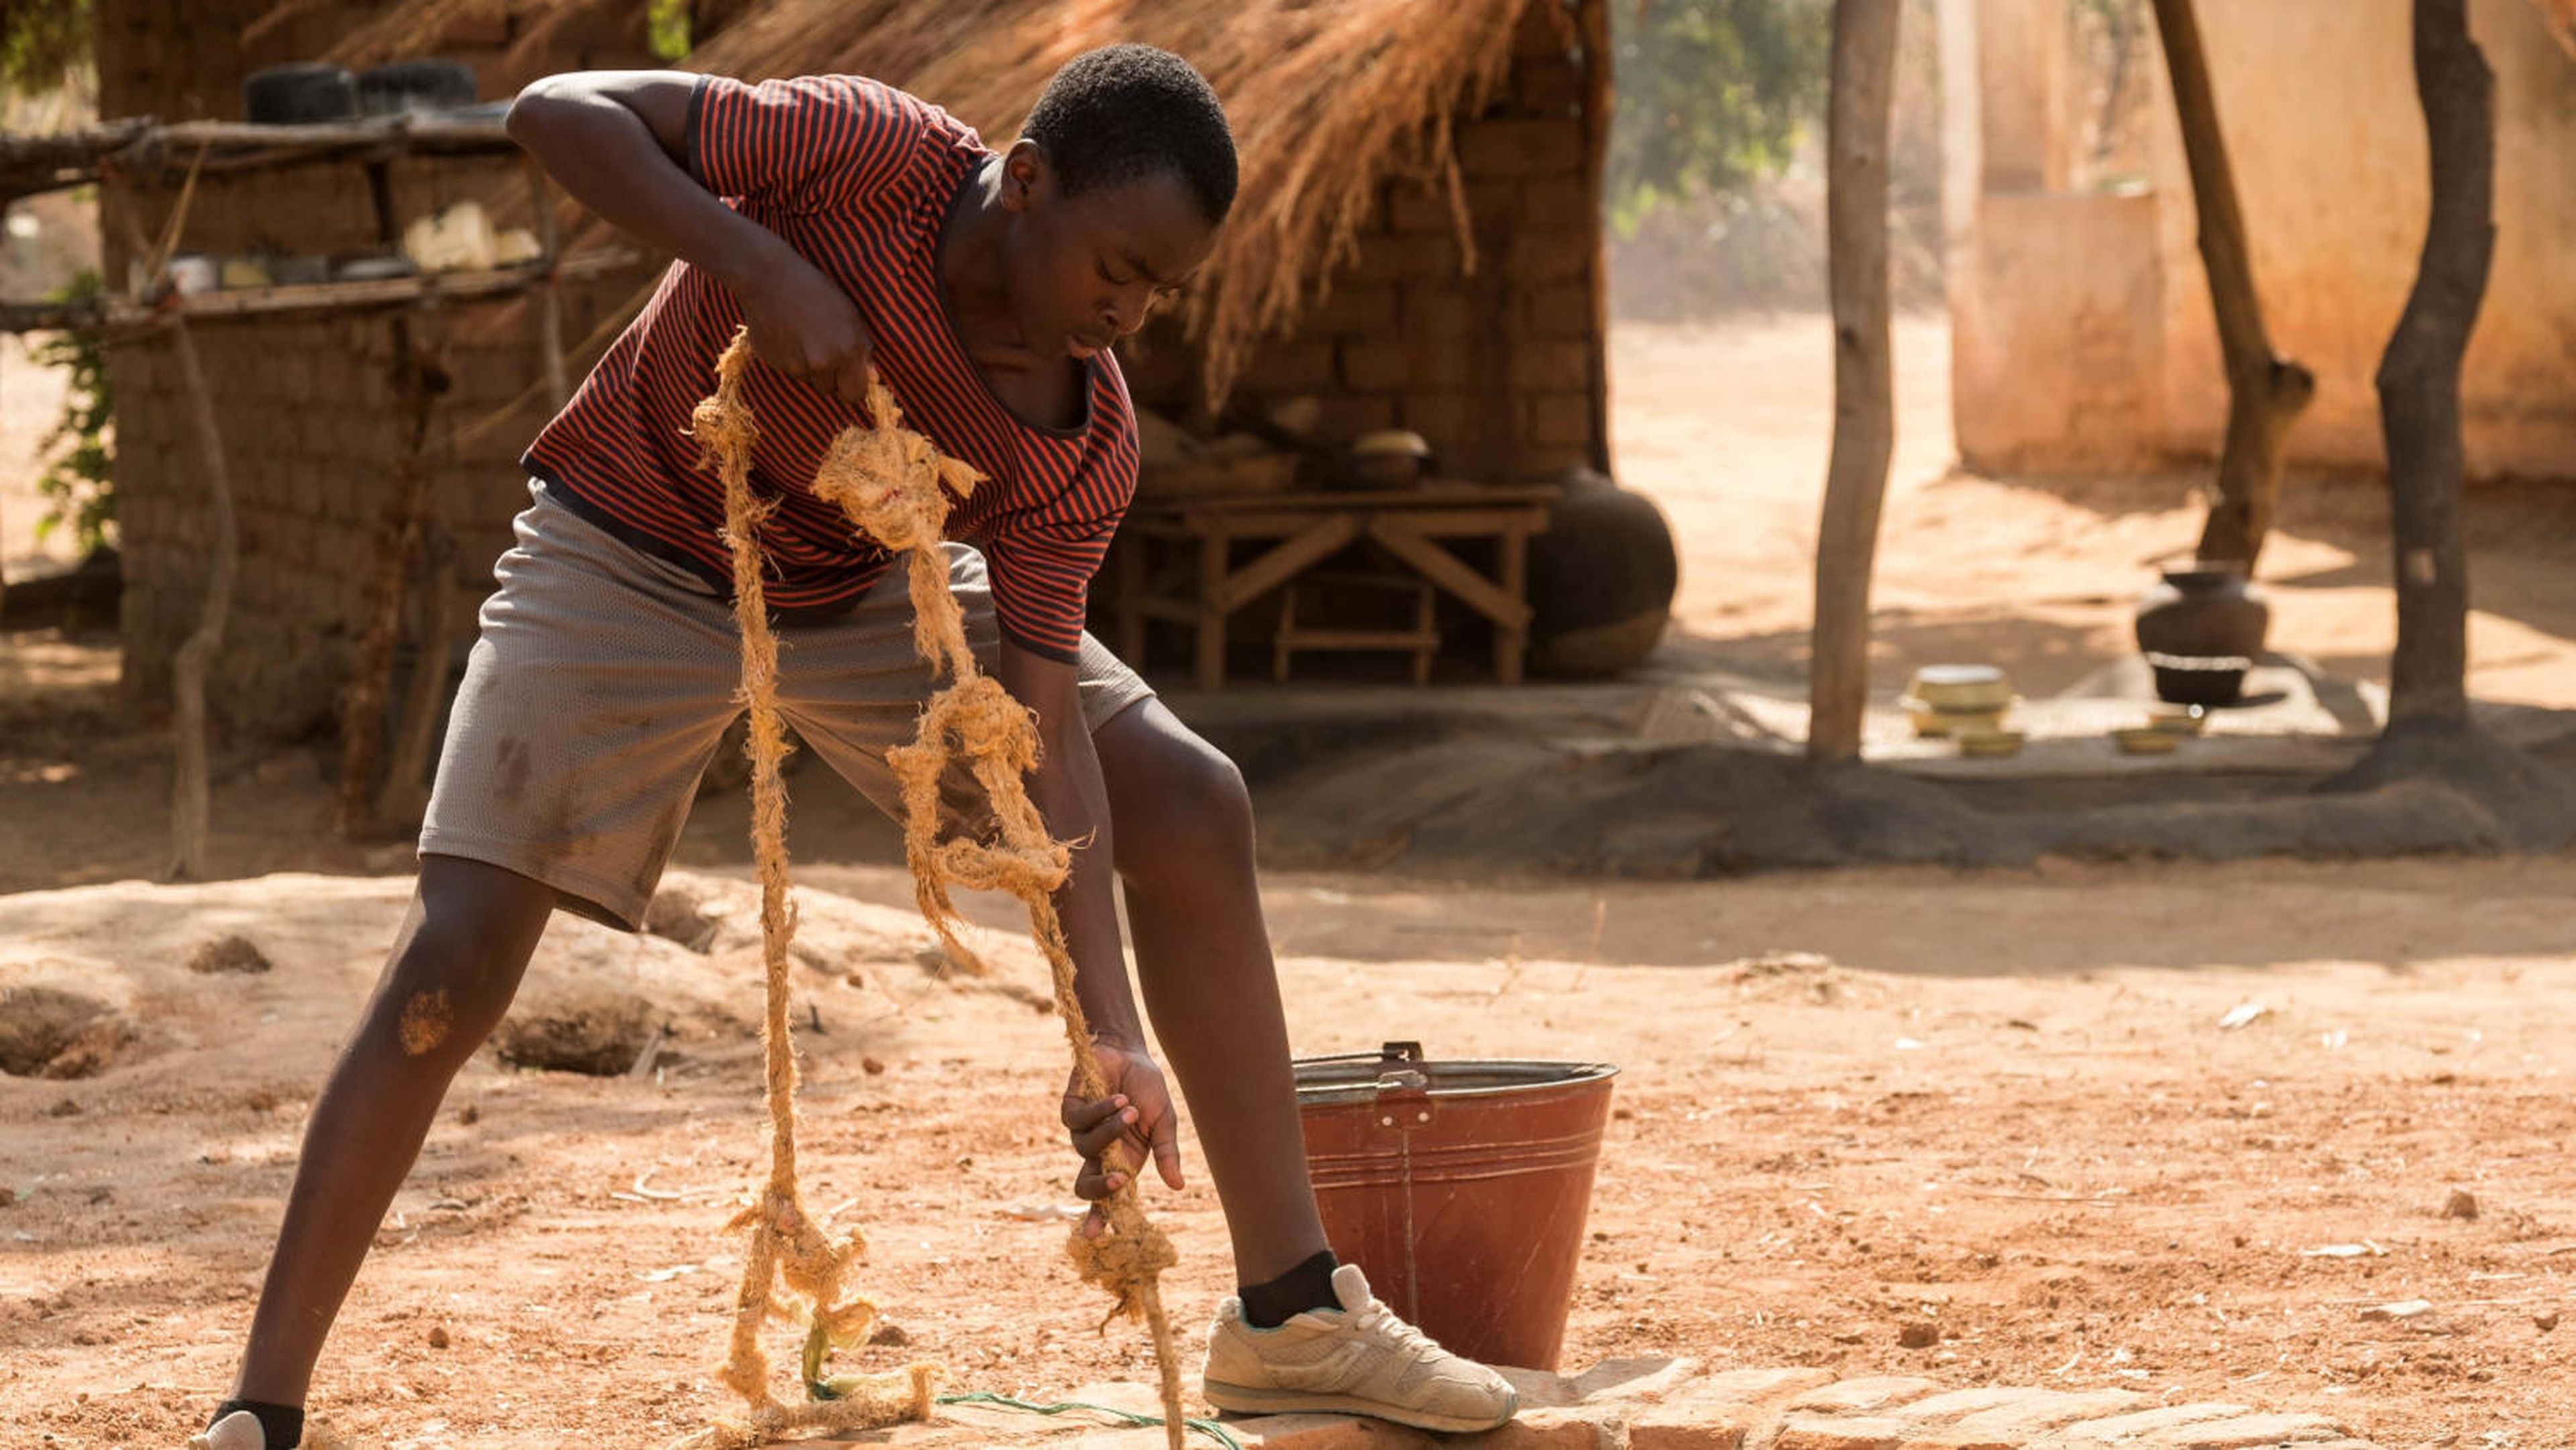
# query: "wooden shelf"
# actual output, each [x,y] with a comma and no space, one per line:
[419,290]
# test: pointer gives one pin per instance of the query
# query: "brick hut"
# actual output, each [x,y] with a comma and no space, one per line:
[1417,246]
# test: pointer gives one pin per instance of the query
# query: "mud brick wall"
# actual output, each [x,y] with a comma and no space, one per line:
[314,424]
[1495,366]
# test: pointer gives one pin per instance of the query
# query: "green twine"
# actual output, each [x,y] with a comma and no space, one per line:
[1209,1428]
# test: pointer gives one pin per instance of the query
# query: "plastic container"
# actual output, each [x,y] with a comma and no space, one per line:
[1461,1188]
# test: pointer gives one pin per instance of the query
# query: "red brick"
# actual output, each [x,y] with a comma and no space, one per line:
[1567,418]
[1520,146]
[1562,254]
[1384,365]
[1492,200]
[1291,367]
[1447,419]
[1551,367]
[1353,309]
[1413,207]
[1436,312]
[1549,84]
[1405,257]
[1559,310]
[1559,201]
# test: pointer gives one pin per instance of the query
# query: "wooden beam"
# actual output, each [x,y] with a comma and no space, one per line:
[1450,572]
[2266,392]
[1864,74]
[1240,587]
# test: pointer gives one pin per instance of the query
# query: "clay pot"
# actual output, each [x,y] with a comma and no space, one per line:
[1601,580]
[2201,628]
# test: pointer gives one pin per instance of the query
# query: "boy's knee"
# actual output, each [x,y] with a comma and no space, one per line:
[1201,815]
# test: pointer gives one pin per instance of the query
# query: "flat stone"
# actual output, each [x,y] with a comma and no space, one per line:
[2119,1429]
[1719,1411]
[1957,1404]
[1857,1396]
[1720,1434]
[2246,1432]
[2033,1412]
[1547,1429]
[1630,1381]
[1802,1431]
[1326,1432]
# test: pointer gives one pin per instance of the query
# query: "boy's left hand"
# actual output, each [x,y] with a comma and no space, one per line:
[1137,1116]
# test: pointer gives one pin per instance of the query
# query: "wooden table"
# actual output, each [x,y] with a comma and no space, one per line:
[1207,585]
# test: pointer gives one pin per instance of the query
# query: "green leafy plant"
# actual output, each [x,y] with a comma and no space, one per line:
[1712,96]
[79,455]
[41,40]
[669,27]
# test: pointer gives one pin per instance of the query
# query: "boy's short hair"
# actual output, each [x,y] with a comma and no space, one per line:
[1125,112]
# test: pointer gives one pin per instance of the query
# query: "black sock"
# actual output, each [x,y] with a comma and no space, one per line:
[281,1425]
[1307,1286]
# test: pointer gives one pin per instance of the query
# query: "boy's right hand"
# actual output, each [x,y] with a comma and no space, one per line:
[802,324]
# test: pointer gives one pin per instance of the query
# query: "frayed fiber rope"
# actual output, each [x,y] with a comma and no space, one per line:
[894,485]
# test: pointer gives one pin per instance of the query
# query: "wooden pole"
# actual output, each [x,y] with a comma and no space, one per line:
[1864,78]
[2266,393]
[401,534]
[550,343]
[406,793]
[1592,22]
[2419,377]
[190,790]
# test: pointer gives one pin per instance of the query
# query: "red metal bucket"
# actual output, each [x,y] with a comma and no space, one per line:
[1461,1188]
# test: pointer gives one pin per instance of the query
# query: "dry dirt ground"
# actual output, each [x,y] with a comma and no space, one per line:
[2003,1106]
[2001,1103]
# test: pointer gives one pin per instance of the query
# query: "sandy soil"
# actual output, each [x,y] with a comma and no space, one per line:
[1998,1102]
[2003,1106]
[1727,426]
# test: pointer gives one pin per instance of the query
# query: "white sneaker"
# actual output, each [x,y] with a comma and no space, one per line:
[1359,1359]
[239,1430]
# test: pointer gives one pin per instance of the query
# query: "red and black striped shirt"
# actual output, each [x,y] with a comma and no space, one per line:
[859,178]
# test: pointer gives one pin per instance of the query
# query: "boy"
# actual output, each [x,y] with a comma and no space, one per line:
[853,228]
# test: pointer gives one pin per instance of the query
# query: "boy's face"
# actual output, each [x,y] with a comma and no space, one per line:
[1083,271]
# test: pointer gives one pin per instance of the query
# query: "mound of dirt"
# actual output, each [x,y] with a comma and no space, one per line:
[50,1033]
[229,953]
[583,1029]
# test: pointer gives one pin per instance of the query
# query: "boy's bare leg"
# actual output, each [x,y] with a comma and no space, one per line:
[454,968]
[1182,828]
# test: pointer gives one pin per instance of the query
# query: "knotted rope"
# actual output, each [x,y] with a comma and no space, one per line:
[892,483]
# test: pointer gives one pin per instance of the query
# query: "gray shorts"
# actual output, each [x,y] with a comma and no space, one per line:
[604,679]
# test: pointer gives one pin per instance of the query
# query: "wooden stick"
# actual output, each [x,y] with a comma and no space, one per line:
[1864,72]
[406,793]
[550,344]
[2266,392]
[401,534]
[190,791]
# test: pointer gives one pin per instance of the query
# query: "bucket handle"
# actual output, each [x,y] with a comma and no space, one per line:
[1403,1101]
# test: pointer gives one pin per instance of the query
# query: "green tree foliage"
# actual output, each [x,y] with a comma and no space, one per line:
[41,40]
[669,23]
[1712,95]
[77,483]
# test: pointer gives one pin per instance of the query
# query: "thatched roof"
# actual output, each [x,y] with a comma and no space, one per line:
[1328,99]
